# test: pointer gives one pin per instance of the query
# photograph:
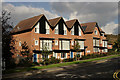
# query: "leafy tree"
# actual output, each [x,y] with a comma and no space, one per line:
[25,51]
[76,47]
[7,26]
[45,52]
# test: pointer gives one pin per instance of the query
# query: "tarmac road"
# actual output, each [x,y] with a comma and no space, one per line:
[100,70]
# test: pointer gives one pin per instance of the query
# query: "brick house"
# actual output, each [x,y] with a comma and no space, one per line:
[96,41]
[58,35]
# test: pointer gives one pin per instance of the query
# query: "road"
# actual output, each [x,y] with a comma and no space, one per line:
[102,69]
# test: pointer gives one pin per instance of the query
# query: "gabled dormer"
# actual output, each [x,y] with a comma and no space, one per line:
[74,27]
[38,24]
[91,28]
[59,25]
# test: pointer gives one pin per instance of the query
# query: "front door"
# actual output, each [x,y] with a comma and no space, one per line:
[71,54]
[35,57]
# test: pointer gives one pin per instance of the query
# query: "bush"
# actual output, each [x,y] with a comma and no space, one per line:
[68,60]
[24,63]
[54,61]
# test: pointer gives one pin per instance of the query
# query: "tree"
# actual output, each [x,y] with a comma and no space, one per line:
[25,51]
[7,26]
[76,47]
[45,52]
[116,46]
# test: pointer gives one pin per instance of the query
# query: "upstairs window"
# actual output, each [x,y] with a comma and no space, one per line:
[20,43]
[37,28]
[103,34]
[79,31]
[56,29]
[65,30]
[95,32]
[72,31]
[36,42]
[56,42]
[47,28]
[72,42]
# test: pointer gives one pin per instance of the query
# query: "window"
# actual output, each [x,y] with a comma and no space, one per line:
[63,55]
[95,42]
[72,31]
[46,44]
[65,45]
[56,30]
[72,42]
[109,45]
[36,42]
[56,42]
[95,49]
[45,56]
[37,28]
[20,43]
[96,32]
[65,30]
[103,34]
[47,28]
[54,54]
[81,43]
[79,31]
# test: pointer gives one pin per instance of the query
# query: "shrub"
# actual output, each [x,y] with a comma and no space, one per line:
[68,60]
[54,61]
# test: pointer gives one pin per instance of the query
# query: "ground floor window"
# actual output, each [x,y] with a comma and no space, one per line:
[96,49]
[63,55]
[45,56]
[54,54]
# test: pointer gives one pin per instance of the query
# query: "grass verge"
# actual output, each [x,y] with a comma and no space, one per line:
[74,62]
[56,65]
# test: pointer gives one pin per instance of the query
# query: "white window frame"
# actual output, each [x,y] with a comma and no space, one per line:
[56,42]
[54,54]
[72,31]
[65,29]
[96,32]
[64,56]
[72,42]
[37,28]
[20,43]
[80,33]
[36,41]
[47,28]
[56,29]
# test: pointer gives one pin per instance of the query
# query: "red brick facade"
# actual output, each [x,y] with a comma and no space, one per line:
[34,39]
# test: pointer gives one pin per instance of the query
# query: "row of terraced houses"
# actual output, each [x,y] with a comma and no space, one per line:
[60,37]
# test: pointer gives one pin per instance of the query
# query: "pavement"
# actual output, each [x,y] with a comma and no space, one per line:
[89,70]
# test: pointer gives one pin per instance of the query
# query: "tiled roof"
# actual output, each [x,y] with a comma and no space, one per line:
[70,23]
[88,27]
[54,21]
[26,24]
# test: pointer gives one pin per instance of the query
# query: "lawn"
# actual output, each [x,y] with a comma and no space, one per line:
[57,65]
[74,62]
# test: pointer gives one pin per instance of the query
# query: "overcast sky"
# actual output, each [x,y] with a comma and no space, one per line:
[105,13]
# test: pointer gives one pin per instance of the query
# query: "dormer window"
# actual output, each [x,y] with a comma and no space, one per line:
[79,31]
[65,30]
[47,28]
[95,32]
[72,31]
[103,34]
[56,29]
[37,28]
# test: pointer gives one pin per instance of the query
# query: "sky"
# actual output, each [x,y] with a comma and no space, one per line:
[104,13]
